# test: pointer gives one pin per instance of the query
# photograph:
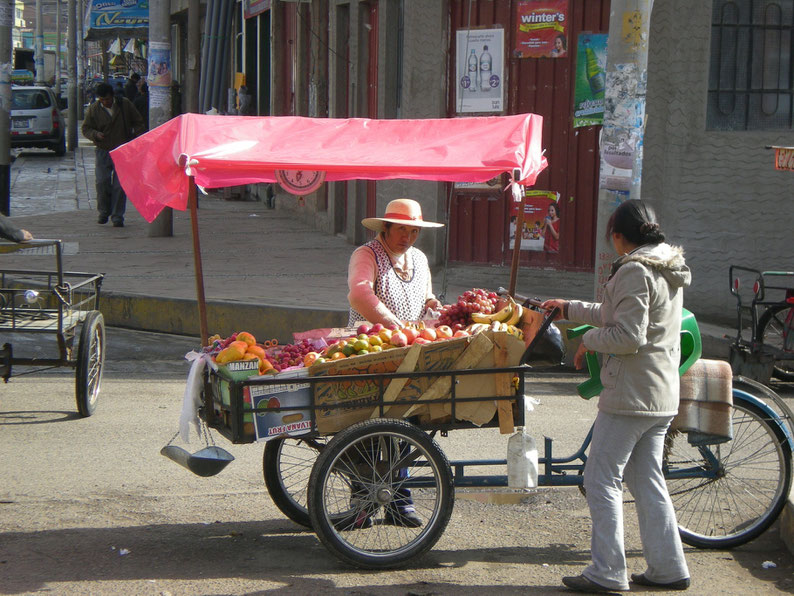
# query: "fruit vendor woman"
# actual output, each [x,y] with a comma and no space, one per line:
[389,279]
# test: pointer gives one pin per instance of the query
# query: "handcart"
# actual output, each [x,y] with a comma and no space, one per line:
[767,348]
[54,303]
[343,483]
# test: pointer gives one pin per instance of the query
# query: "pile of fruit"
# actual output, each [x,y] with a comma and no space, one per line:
[477,310]
[470,302]
[239,346]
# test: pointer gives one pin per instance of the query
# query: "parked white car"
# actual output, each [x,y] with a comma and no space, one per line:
[36,120]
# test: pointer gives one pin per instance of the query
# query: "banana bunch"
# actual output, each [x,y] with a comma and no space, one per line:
[495,326]
[510,314]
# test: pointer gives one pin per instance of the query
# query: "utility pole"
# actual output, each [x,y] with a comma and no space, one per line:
[6,66]
[71,42]
[159,81]
[80,59]
[39,50]
[624,119]
[193,52]
[58,49]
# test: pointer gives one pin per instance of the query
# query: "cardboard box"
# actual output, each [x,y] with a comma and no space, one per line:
[239,370]
[281,423]
[357,398]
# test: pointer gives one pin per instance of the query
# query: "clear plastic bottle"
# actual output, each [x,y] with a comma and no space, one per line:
[473,73]
[522,460]
[486,64]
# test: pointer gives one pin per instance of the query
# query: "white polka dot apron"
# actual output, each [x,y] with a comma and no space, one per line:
[405,299]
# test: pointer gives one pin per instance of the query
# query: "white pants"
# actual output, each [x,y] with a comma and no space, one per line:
[630,448]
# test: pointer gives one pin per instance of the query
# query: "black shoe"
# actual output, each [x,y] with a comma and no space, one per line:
[118,224]
[102,219]
[404,516]
[641,580]
[579,583]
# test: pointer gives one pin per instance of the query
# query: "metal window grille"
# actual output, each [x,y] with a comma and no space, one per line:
[750,79]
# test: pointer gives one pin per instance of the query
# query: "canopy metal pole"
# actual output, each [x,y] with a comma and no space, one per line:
[202,304]
[517,244]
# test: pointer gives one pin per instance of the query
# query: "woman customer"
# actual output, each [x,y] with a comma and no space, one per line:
[637,331]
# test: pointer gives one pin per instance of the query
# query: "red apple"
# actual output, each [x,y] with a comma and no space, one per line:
[376,328]
[444,331]
[421,341]
[363,329]
[428,334]
[410,334]
[460,333]
[393,327]
[398,339]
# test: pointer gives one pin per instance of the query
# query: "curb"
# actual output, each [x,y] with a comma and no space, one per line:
[180,316]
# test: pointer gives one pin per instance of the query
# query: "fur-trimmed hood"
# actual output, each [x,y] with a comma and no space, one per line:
[664,258]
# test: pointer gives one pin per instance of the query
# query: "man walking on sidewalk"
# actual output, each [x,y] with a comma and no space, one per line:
[110,122]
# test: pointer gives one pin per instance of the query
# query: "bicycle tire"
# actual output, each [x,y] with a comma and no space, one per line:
[366,455]
[770,332]
[739,498]
[90,363]
[286,467]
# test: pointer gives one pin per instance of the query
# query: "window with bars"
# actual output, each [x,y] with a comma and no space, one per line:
[750,79]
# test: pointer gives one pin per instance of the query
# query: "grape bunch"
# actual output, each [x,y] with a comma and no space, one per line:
[291,355]
[458,314]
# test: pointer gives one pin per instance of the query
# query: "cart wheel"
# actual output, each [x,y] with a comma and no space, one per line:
[726,495]
[772,331]
[90,361]
[287,464]
[357,481]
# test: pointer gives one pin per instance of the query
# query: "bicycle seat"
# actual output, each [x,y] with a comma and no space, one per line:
[691,350]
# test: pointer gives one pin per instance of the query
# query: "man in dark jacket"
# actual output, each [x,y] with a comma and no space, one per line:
[110,122]
[131,88]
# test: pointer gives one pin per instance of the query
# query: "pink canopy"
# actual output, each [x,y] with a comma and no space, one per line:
[232,150]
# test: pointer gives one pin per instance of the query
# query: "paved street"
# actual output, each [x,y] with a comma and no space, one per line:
[88,506]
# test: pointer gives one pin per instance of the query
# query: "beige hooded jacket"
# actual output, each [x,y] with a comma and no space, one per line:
[638,331]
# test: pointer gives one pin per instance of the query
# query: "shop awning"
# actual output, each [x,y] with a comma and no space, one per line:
[109,19]
[223,151]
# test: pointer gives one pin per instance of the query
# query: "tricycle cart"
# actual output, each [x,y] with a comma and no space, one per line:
[345,483]
[766,298]
[54,303]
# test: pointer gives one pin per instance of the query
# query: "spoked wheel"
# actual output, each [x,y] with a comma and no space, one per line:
[287,465]
[90,361]
[361,483]
[726,495]
[774,326]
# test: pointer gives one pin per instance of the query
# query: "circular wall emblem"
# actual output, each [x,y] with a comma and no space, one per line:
[300,182]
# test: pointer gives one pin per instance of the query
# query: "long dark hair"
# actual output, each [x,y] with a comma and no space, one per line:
[636,221]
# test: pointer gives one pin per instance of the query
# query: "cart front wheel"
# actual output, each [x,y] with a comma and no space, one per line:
[287,465]
[728,494]
[90,361]
[360,487]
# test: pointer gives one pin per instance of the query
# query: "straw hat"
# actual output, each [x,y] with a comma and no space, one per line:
[400,211]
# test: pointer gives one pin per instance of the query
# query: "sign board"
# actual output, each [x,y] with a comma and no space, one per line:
[784,158]
[108,19]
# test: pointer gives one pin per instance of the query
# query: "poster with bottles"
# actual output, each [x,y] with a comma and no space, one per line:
[541,219]
[591,58]
[542,29]
[479,69]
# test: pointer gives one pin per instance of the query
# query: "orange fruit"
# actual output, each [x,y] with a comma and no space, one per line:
[338,356]
[246,337]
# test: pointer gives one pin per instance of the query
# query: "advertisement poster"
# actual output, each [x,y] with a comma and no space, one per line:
[542,29]
[159,64]
[479,70]
[591,58]
[541,222]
